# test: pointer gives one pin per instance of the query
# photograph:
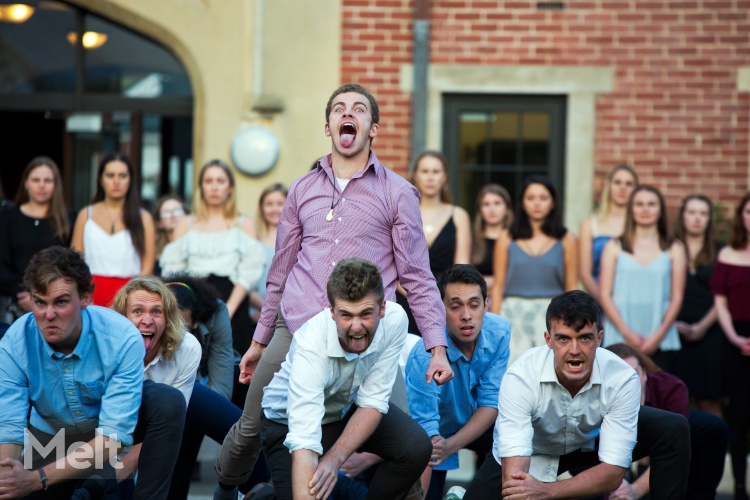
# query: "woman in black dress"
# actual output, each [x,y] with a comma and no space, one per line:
[699,365]
[493,217]
[39,220]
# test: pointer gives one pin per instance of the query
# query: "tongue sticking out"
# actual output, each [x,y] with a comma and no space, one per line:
[347,140]
[147,342]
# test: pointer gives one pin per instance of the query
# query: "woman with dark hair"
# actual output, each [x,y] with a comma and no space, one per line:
[447,227]
[643,280]
[699,364]
[731,287]
[535,262]
[607,223]
[38,220]
[218,244]
[493,217]
[210,412]
[115,235]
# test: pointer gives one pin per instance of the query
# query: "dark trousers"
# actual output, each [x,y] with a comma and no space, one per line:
[160,421]
[662,435]
[708,438]
[737,373]
[398,440]
[208,414]
[482,446]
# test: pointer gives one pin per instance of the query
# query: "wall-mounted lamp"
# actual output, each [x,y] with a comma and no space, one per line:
[91,39]
[16,13]
[254,150]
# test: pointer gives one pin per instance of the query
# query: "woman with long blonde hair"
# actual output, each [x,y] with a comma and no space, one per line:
[216,242]
[38,220]
[606,223]
[270,204]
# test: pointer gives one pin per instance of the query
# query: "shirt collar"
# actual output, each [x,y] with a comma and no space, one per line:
[372,162]
[333,346]
[454,353]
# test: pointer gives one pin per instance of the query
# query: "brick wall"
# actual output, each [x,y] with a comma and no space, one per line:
[675,113]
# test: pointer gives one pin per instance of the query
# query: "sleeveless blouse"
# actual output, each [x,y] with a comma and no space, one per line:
[486,267]
[533,277]
[641,294]
[443,250]
[111,255]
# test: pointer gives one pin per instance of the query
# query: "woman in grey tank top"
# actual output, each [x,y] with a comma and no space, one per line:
[535,262]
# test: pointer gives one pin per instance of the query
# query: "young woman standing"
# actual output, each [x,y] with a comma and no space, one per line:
[38,220]
[493,218]
[447,227]
[700,365]
[271,203]
[115,235]
[607,223]
[535,262]
[731,286]
[643,280]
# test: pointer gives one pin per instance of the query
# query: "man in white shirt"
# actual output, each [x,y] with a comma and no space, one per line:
[570,404]
[330,397]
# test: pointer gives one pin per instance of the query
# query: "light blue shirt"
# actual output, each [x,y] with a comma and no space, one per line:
[444,410]
[98,385]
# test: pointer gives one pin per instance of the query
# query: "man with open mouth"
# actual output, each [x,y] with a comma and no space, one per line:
[349,205]
[330,397]
[460,414]
[570,404]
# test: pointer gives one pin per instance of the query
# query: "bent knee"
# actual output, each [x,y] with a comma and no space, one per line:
[164,401]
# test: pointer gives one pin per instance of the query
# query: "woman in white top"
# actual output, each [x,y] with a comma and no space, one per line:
[217,243]
[114,234]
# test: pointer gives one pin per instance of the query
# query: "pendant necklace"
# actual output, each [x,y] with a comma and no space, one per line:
[329,217]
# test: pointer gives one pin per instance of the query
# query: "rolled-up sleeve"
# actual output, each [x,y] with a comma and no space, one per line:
[14,394]
[620,425]
[514,432]
[424,398]
[413,266]
[122,397]
[377,385]
[306,404]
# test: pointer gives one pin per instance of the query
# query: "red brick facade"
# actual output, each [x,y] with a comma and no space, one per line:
[675,112]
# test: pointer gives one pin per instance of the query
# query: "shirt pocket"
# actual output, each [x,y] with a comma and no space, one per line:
[92,392]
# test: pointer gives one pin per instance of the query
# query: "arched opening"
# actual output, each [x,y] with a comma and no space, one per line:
[75,86]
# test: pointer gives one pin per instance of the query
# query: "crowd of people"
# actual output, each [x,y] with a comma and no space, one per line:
[357,334]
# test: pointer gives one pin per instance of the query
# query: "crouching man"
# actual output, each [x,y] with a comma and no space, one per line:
[330,397]
[72,373]
[571,404]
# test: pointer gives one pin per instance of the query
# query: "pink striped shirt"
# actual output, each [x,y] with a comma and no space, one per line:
[377,218]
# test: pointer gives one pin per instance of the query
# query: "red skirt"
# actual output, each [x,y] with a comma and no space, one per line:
[105,289]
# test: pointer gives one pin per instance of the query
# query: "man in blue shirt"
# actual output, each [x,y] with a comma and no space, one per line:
[462,413]
[72,390]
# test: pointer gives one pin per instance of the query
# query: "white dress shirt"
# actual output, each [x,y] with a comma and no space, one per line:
[538,417]
[181,370]
[319,381]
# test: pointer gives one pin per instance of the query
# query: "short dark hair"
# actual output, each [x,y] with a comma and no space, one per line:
[196,295]
[57,262]
[625,351]
[461,273]
[575,309]
[353,279]
[359,89]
